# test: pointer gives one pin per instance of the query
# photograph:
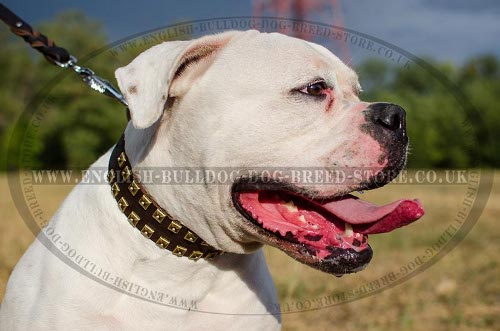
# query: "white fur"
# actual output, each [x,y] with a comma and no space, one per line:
[231,109]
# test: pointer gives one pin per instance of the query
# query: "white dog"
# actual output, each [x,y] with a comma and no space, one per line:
[238,100]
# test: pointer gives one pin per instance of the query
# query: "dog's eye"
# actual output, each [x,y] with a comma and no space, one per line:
[315,89]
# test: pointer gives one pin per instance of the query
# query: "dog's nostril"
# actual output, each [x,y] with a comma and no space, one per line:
[390,116]
[391,121]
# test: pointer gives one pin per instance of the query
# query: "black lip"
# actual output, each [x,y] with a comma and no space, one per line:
[344,261]
[340,261]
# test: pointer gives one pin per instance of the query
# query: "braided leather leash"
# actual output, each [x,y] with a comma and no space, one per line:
[38,41]
[57,55]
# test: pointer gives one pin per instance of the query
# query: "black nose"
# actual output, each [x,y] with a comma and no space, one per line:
[389,116]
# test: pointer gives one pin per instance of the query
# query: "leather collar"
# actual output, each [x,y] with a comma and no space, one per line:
[144,213]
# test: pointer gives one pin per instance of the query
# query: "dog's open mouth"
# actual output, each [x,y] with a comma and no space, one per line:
[328,234]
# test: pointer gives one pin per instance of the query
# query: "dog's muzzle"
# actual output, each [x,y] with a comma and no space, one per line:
[386,124]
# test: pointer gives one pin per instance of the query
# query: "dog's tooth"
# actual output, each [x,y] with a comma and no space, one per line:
[348,230]
[290,206]
[315,226]
[302,219]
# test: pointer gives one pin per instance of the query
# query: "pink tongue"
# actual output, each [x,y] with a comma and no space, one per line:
[367,218]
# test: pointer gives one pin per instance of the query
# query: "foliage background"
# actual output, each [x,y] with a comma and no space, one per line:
[82,125]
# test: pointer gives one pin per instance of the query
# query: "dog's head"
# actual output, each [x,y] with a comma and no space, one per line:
[256,101]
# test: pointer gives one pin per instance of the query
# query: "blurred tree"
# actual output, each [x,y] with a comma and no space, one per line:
[441,133]
[480,80]
[79,124]
[17,84]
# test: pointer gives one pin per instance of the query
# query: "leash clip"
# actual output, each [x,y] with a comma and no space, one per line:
[70,63]
[97,83]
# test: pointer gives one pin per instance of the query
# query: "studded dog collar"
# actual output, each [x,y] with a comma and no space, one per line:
[144,213]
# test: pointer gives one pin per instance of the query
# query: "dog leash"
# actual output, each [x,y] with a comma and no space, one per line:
[58,55]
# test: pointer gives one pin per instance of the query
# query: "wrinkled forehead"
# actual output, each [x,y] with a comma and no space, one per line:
[279,56]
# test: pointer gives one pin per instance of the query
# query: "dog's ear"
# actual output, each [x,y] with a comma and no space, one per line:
[148,80]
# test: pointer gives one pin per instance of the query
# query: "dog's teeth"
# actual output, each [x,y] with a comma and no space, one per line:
[348,230]
[315,226]
[302,219]
[290,206]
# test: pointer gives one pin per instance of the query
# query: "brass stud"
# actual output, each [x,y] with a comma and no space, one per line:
[210,256]
[162,242]
[195,255]
[179,250]
[115,189]
[133,188]
[190,237]
[123,204]
[133,218]
[126,173]
[204,243]
[174,226]
[111,175]
[121,159]
[147,231]
[144,201]
[158,215]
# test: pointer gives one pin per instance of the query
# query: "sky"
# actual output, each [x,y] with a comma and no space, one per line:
[447,30]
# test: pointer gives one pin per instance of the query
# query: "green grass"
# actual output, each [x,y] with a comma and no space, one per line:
[460,292]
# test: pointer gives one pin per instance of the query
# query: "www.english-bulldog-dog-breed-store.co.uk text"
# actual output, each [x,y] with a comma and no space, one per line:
[235,100]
